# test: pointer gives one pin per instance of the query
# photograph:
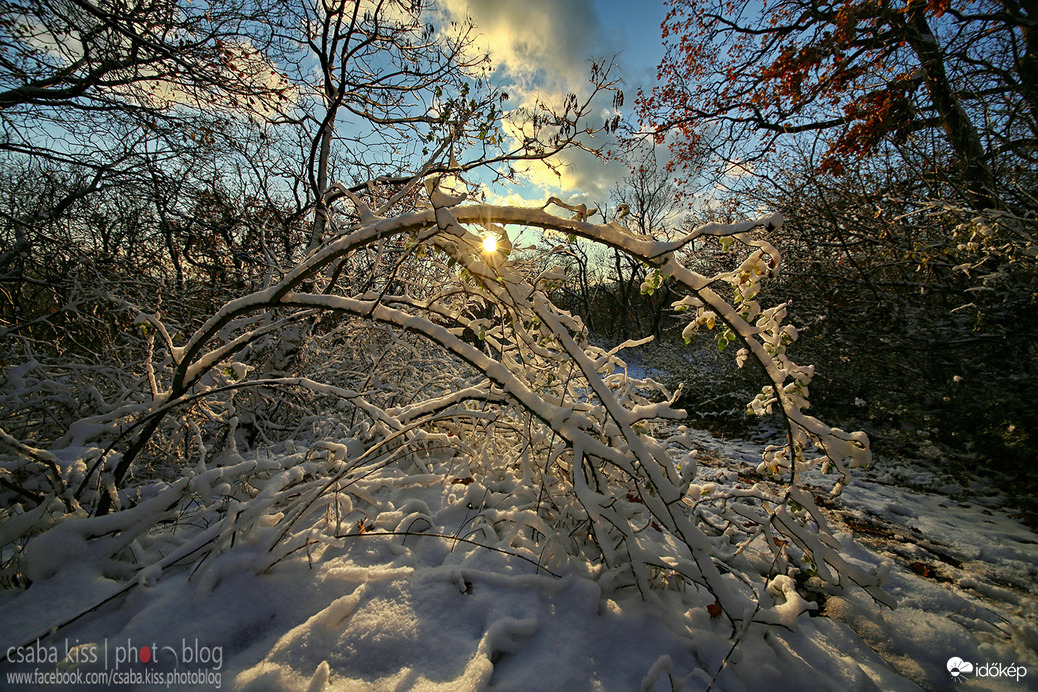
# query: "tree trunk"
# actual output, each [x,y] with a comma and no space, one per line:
[962,135]
[320,207]
[1025,12]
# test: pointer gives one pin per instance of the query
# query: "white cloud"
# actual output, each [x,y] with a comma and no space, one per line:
[579,177]
[739,169]
[542,50]
[541,46]
[259,88]
[513,199]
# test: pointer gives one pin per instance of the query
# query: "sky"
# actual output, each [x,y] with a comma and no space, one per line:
[543,48]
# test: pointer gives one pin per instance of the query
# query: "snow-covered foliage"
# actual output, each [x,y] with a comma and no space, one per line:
[403,345]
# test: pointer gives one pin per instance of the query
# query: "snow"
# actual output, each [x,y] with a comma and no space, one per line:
[379,610]
[547,538]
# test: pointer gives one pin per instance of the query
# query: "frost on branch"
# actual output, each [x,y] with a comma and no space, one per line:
[430,353]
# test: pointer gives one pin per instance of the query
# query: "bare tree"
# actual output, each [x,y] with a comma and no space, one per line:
[646,200]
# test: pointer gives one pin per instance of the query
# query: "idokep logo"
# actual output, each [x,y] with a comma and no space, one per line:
[960,669]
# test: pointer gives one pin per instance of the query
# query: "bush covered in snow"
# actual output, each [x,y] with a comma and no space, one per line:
[404,339]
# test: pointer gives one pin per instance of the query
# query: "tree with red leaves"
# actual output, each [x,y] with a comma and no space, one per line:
[862,76]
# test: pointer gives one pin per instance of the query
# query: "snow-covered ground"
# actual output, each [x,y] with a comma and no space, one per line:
[378,610]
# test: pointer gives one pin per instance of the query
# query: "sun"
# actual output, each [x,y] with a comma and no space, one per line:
[490,243]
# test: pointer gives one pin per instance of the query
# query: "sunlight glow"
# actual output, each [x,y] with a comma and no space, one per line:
[490,243]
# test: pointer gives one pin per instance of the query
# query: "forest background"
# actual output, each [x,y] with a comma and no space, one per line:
[222,220]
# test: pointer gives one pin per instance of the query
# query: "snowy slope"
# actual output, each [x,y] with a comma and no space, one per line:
[371,611]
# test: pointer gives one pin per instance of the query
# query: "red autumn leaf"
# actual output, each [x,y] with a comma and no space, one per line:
[810,68]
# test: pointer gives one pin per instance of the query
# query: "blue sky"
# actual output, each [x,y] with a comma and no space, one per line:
[635,27]
[543,47]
